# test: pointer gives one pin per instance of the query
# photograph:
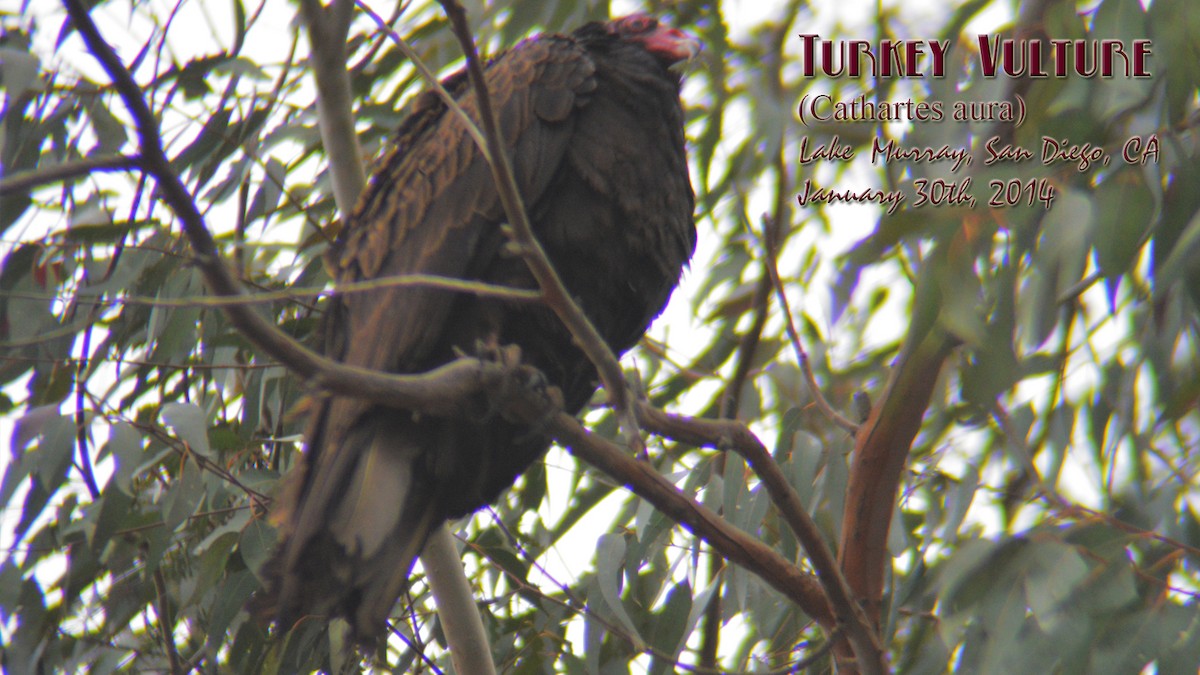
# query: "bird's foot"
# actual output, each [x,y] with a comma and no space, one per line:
[544,402]
[509,358]
[524,394]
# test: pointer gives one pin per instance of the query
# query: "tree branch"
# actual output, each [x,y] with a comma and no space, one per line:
[884,441]
[769,246]
[166,624]
[327,30]
[734,544]
[477,288]
[81,431]
[880,451]
[461,621]
[732,435]
[556,295]
[56,173]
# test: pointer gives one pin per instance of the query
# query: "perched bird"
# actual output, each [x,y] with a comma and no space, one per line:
[594,127]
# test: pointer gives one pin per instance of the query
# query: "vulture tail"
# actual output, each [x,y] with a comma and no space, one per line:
[357,529]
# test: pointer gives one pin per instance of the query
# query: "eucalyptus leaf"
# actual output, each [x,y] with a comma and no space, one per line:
[190,423]
[610,554]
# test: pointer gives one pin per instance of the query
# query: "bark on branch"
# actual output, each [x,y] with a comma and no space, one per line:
[735,436]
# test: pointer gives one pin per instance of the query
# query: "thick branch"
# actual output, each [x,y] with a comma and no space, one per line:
[731,435]
[734,544]
[469,648]
[881,449]
[327,30]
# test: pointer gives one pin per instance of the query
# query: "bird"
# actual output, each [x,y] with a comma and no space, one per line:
[594,128]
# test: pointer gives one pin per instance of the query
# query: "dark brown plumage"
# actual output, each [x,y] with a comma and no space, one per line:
[595,128]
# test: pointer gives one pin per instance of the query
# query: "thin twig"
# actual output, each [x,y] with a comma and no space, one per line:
[431,80]
[416,648]
[734,544]
[157,365]
[57,173]
[195,516]
[166,625]
[81,435]
[817,654]
[478,288]
[555,293]
[822,404]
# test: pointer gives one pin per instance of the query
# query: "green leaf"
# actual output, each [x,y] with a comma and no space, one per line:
[184,496]
[1124,212]
[1175,25]
[958,502]
[1182,260]
[114,512]
[18,71]
[1003,617]
[10,583]
[610,555]
[805,460]
[231,596]
[671,626]
[111,135]
[991,369]
[190,424]
[47,465]
[256,543]
[242,67]
[1067,235]
[125,446]
[266,198]
[593,641]
[1059,570]
[959,570]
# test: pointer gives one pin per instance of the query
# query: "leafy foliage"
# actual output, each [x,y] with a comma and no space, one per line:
[1046,517]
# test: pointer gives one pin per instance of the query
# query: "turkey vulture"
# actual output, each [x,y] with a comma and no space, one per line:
[594,127]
